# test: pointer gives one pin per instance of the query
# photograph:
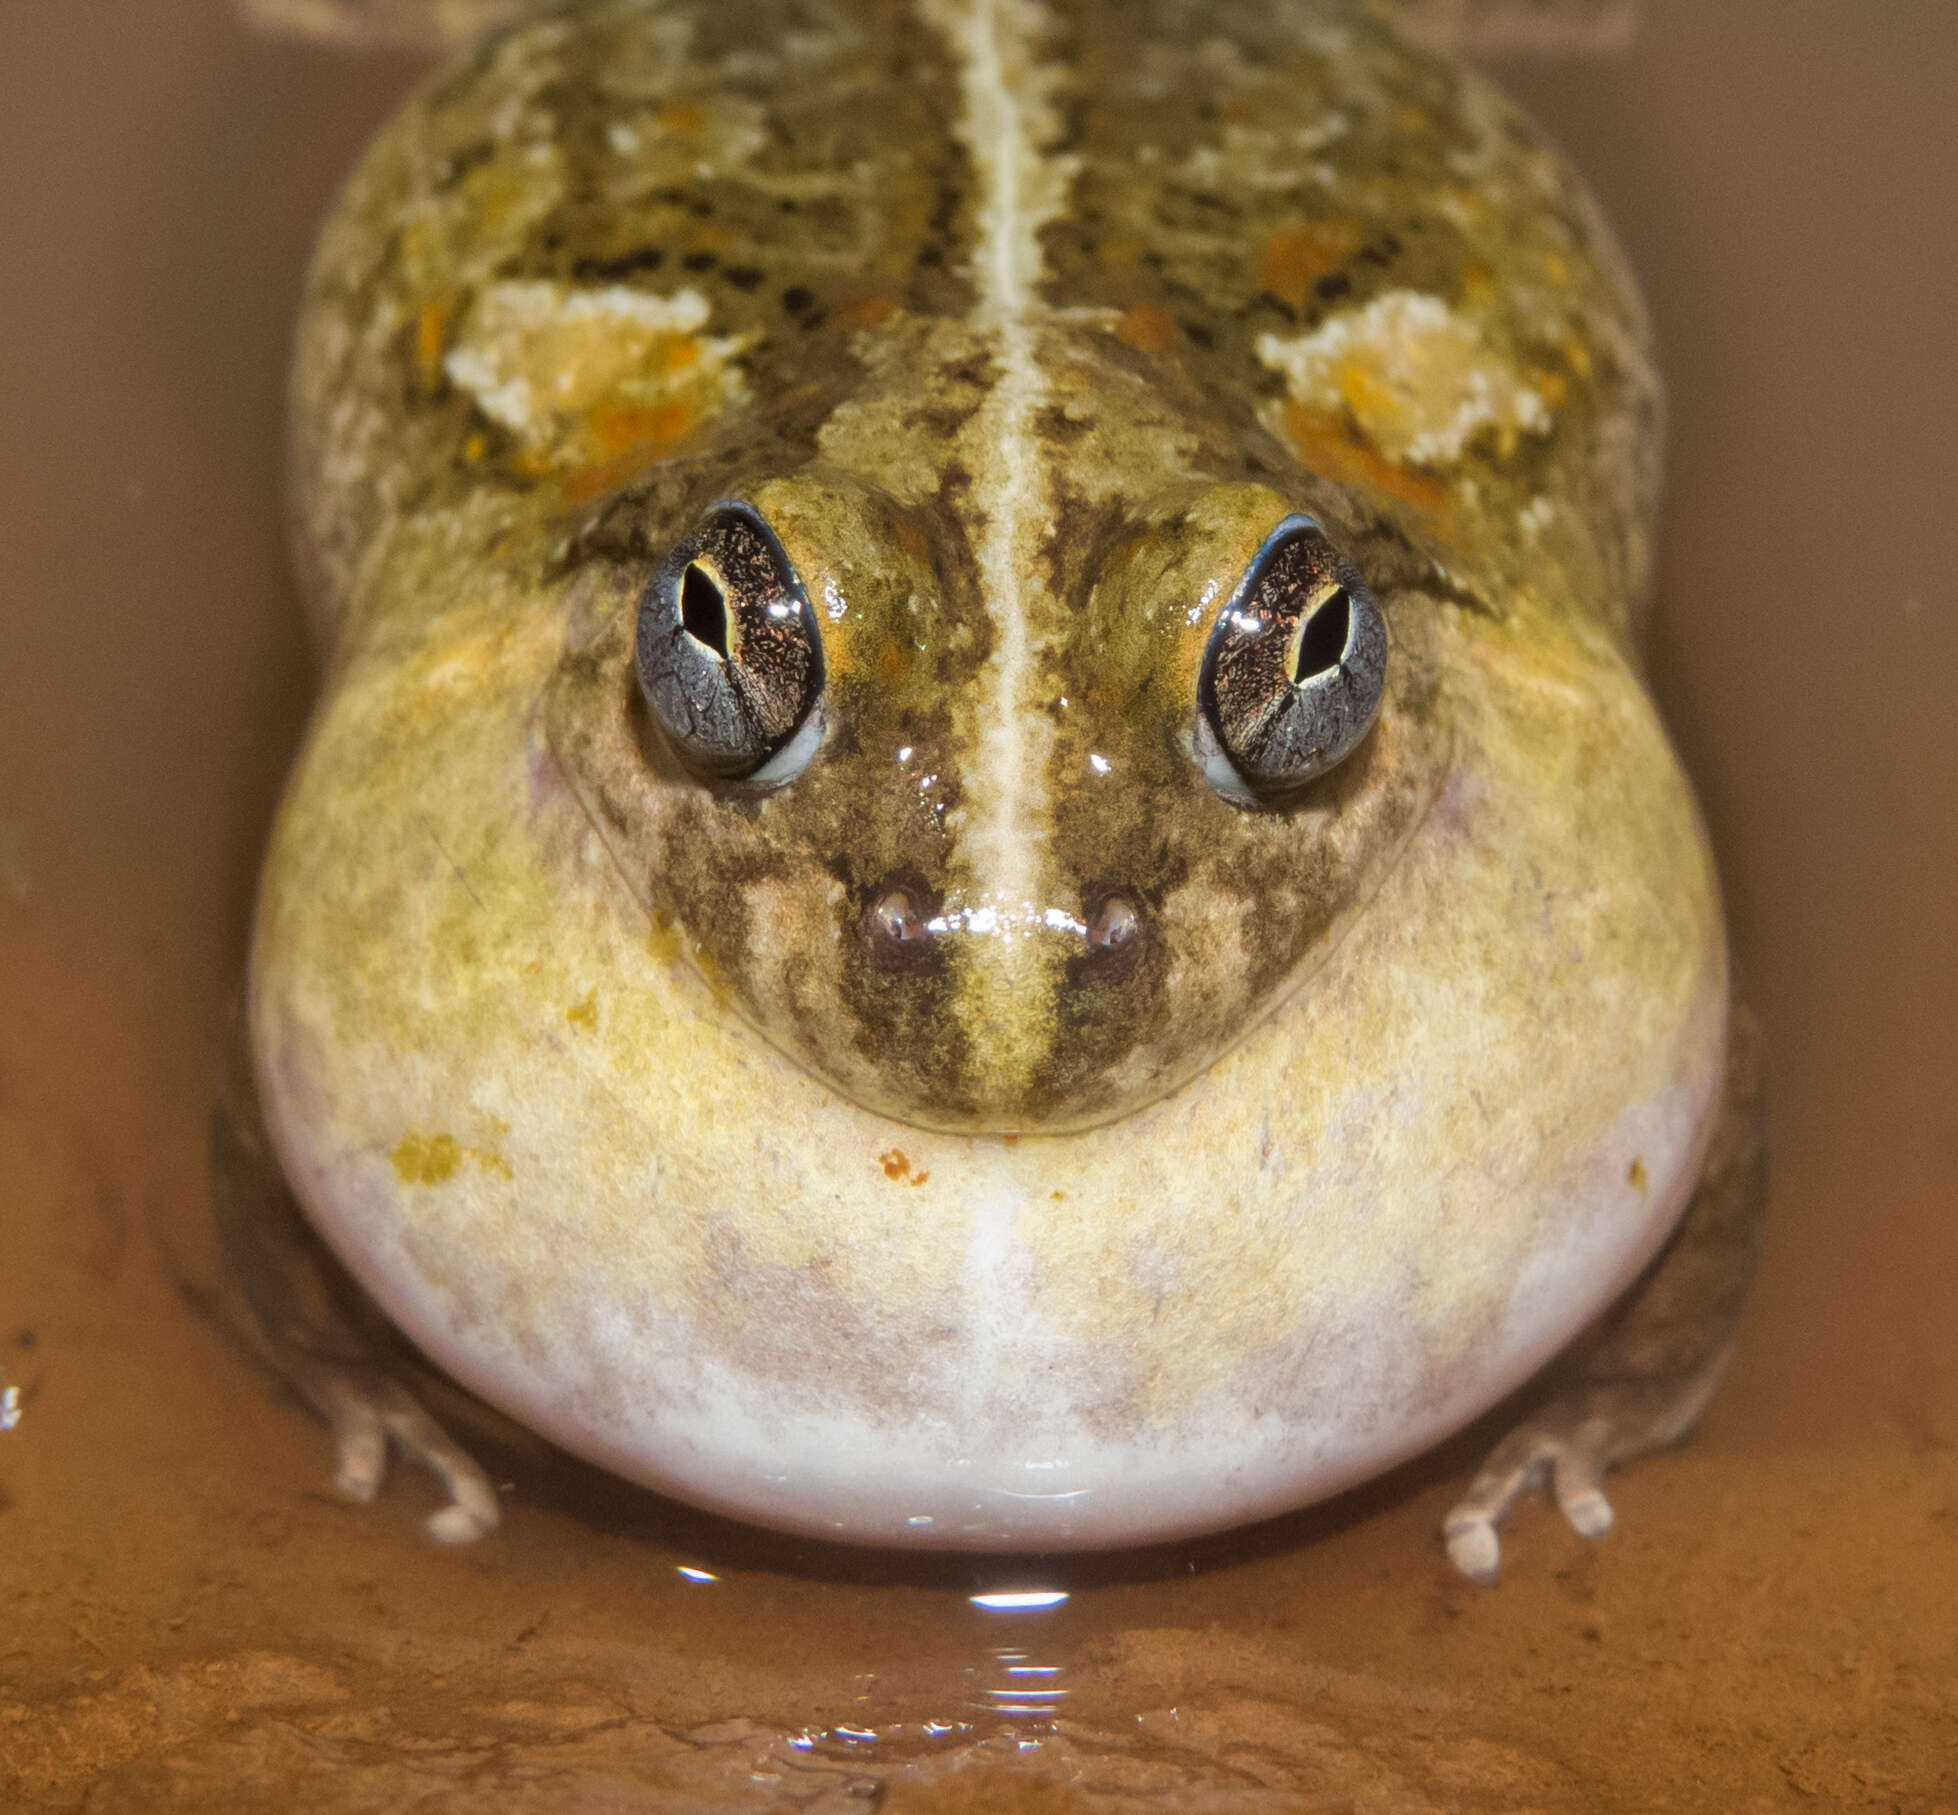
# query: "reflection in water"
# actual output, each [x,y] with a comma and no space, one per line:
[1011,1706]
[1025,1697]
[1014,1600]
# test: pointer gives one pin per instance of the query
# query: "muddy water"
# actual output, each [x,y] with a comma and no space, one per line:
[188,1621]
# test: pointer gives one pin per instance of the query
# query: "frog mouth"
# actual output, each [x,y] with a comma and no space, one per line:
[1052,995]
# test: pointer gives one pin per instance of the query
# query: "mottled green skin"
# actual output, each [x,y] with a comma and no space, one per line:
[1421,1056]
[822,210]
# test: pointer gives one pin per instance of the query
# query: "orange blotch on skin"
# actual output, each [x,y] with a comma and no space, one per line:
[1295,260]
[1122,253]
[897,1168]
[628,438]
[679,117]
[676,353]
[590,482]
[1327,448]
[1147,328]
[1577,356]
[912,540]
[1552,387]
[1635,1175]
[620,429]
[867,311]
[893,661]
[431,338]
[584,1014]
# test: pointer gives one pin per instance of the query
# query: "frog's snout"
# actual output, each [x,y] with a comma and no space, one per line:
[906,926]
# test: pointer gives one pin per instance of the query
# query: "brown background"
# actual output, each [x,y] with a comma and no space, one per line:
[188,1620]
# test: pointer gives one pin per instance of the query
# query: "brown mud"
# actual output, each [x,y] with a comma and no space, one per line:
[190,1620]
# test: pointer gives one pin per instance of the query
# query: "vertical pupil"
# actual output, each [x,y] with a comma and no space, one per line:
[703,609]
[1322,638]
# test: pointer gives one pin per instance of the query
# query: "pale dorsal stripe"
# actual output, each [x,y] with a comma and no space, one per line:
[1007,113]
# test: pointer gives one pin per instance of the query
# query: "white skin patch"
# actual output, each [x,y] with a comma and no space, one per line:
[1418,378]
[570,371]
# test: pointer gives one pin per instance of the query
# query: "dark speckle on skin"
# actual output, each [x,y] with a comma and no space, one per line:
[621,269]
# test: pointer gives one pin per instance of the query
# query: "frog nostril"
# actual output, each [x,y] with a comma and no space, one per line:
[1113,924]
[893,916]
[1112,940]
[899,925]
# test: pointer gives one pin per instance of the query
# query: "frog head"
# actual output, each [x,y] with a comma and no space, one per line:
[1005,760]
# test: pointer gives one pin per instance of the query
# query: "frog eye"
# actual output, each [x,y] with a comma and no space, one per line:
[1294,671]
[729,656]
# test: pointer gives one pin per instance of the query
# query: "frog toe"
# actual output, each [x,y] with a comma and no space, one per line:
[472,1511]
[1569,1457]
[360,1445]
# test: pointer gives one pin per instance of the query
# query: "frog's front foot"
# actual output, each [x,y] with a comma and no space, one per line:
[1566,1448]
[1644,1377]
[300,1315]
[364,1406]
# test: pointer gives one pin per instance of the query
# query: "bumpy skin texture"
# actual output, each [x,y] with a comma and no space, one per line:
[1022,327]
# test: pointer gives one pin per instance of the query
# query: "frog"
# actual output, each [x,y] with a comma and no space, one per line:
[984,863]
